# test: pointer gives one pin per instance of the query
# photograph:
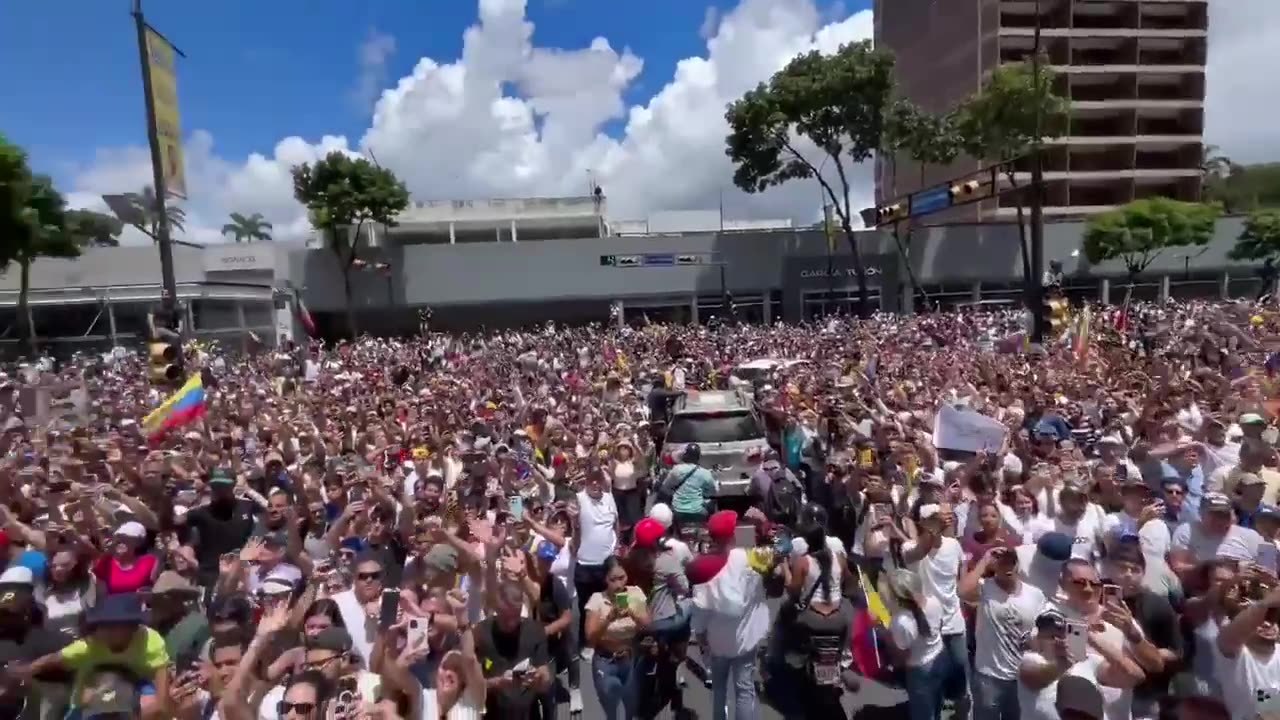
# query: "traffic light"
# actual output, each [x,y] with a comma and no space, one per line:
[964,191]
[1058,313]
[164,351]
[890,213]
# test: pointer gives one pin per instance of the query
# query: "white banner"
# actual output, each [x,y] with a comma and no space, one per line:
[966,430]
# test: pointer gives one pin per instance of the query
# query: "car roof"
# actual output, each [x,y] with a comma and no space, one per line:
[712,401]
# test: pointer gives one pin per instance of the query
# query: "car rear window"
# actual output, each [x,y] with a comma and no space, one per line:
[720,427]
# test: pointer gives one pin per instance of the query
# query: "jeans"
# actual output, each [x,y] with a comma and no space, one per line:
[995,699]
[615,682]
[740,671]
[956,675]
[924,688]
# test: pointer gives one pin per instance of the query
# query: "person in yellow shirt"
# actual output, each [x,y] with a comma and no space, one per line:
[116,639]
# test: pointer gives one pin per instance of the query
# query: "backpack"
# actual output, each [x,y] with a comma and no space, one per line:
[782,504]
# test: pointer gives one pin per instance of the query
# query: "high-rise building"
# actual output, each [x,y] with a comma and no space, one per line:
[1133,71]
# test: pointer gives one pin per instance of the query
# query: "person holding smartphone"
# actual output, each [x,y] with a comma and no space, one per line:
[615,617]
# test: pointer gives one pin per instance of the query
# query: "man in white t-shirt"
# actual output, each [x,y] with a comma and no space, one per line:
[1054,652]
[1080,520]
[1249,661]
[597,540]
[1140,517]
[1213,535]
[938,560]
[1006,613]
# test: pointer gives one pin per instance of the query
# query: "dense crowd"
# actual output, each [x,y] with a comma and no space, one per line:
[450,526]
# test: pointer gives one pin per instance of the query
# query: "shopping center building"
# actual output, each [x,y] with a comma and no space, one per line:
[503,263]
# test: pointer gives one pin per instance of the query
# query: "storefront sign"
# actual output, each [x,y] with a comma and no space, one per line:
[837,272]
[238,258]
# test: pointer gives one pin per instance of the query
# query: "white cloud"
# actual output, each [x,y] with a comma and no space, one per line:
[453,131]
[449,130]
[372,59]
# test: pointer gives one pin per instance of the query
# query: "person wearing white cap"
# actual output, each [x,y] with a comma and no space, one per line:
[124,569]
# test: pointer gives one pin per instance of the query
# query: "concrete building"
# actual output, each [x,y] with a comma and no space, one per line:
[1133,71]
[568,267]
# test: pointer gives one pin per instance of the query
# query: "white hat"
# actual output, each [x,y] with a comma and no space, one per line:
[1012,463]
[17,575]
[662,513]
[132,529]
[928,511]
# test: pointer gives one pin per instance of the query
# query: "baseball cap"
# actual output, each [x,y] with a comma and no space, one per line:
[662,513]
[132,529]
[930,510]
[171,582]
[721,526]
[1215,501]
[277,539]
[220,476]
[1051,620]
[1054,546]
[1251,419]
[1079,695]
[647,532]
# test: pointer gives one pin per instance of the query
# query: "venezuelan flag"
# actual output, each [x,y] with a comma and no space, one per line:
[181,408]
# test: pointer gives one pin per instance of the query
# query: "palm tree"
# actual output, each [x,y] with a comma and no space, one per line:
[147,205]
[1213,164]
[253,227]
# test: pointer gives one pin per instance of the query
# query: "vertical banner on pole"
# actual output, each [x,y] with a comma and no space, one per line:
[162,61]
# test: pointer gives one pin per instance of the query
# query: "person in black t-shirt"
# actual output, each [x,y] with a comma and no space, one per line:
[1155,619]
[513,654]
[23,639]
[223,526]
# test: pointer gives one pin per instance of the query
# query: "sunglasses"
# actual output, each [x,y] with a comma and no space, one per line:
[302,708]
[369,576]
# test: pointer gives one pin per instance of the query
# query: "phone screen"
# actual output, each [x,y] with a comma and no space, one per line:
[1077,641]
[516,506]
[390,608]
[620,600]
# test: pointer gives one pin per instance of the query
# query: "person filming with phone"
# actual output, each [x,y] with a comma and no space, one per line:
[1126,566]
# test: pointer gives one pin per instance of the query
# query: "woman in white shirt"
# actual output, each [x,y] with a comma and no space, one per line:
[628,493]
[916,629]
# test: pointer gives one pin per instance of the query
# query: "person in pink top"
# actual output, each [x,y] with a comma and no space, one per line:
[124,569]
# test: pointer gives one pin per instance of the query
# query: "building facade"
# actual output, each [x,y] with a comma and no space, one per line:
[1133,72]
[774,273]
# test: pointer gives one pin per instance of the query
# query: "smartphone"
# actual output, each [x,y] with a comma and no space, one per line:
[390,608]
[620,600]
[418,628]
[515,505]
[357,493]
[1077,641]
[782,543]
[1111,593]
[866,458]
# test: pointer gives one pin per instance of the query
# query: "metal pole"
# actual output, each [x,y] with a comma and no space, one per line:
[167,278]
[724,293]
[1037,199]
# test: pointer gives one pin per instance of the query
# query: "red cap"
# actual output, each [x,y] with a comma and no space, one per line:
[721,526]
[704,567]
[647,533]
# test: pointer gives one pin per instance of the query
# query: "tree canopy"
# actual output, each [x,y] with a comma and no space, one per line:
[248,228]
[1015,110]
[1260,238]
[342,194]
[147,205]
[1138,232]
[94,229]
[818,111]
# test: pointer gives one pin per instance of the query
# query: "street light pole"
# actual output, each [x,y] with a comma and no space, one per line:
[169,302]
[1037,197]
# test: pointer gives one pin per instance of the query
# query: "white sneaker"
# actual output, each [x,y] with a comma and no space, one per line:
[575,700]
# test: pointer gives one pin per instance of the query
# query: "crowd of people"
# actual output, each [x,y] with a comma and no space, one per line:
[453,526]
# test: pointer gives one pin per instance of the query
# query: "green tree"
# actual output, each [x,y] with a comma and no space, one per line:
[1138,232]
[929,141]
[1015,112]
[1260,240]
[147,206]
[838,103]
[94,229]
[248,228]
[33,224]
[342,194]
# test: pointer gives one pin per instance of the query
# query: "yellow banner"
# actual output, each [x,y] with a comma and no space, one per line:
[164,98]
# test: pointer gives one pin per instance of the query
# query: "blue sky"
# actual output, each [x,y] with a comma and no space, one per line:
[257,71]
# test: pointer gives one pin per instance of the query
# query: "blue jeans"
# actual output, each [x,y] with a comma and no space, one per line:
[955,685]
[995,699]
[924,688]
[740,671]
[615,682]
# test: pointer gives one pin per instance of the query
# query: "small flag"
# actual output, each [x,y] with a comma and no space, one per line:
[304,316]
[182,408]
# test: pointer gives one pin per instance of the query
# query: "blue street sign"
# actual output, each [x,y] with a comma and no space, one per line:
[659,260]
[931,200]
